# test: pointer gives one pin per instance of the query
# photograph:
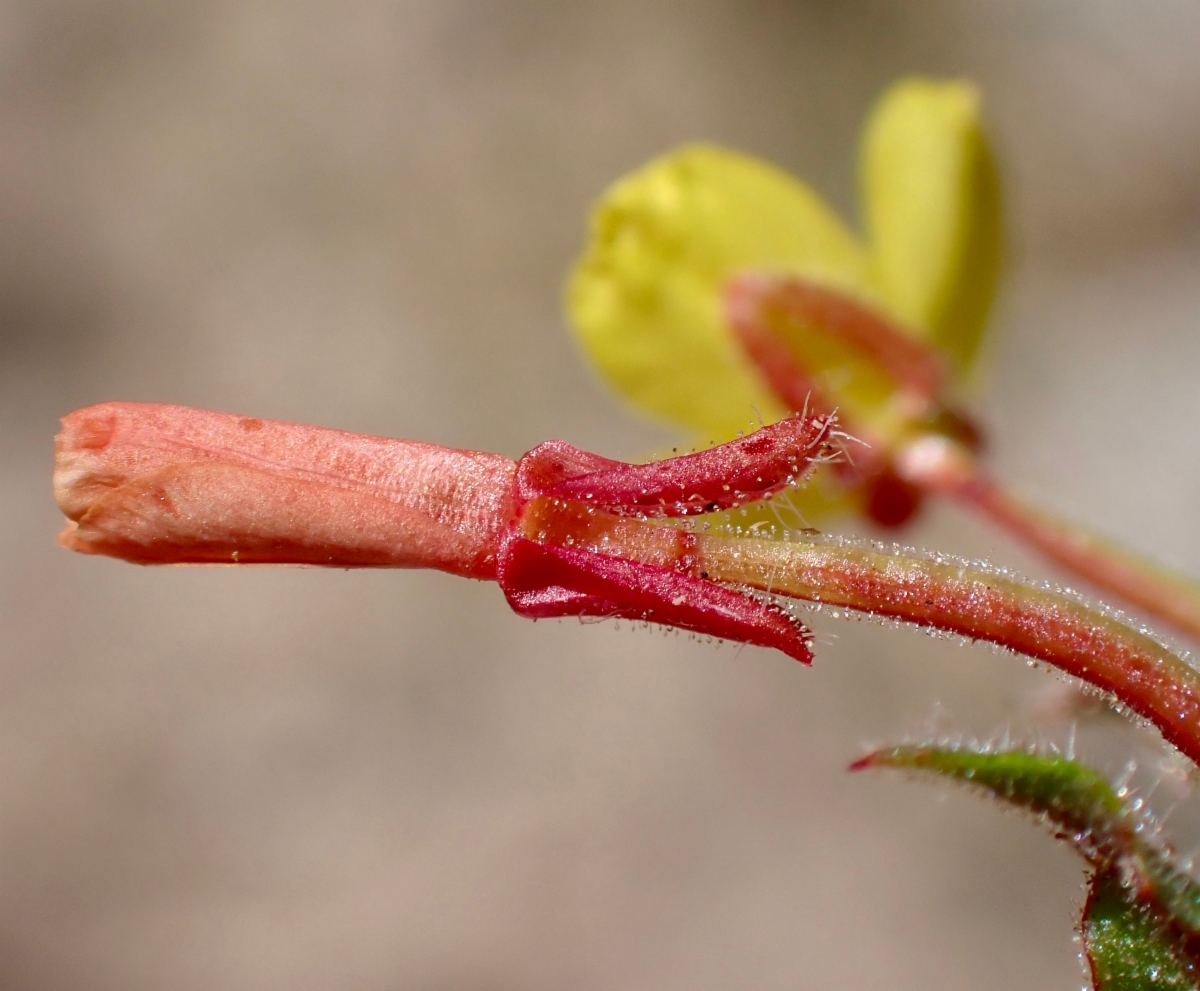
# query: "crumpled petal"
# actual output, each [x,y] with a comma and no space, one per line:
[931,207]
[645,299]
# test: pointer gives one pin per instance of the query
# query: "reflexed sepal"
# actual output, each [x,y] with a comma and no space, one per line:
[741,471]
[544,581]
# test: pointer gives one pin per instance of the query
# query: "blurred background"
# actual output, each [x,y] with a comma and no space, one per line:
[360,215]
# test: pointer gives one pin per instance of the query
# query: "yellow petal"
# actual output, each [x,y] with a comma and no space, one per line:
[932,211]
[645,298]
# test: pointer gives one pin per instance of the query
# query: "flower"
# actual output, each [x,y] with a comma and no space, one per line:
[647,298]
[564,533]
[715,288]
[560,530]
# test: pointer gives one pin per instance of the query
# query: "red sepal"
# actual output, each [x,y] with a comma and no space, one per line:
[771,299]
[544,581]
[741,471]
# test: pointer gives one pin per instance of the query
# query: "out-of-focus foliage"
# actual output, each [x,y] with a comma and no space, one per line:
[1128,946]
[1141,910]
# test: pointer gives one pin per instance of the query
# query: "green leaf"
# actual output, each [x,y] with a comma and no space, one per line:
[1076,800]
[1140,908]
[1129,947]
[1082,808]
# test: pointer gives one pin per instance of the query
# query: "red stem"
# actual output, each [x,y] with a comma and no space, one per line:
[1081,641]
[1136,579]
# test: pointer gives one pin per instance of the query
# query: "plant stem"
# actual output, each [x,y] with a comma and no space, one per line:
[1075,638]
[945,595]
[939,465]
[1155,589]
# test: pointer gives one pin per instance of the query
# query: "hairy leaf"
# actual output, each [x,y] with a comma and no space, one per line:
[1080,806]
[1078,802]
[1041,782]
[1129,947]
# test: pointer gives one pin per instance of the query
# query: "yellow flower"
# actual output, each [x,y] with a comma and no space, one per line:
[646,299]
[716,289]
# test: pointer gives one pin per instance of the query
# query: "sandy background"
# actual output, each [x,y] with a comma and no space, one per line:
[360,215]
